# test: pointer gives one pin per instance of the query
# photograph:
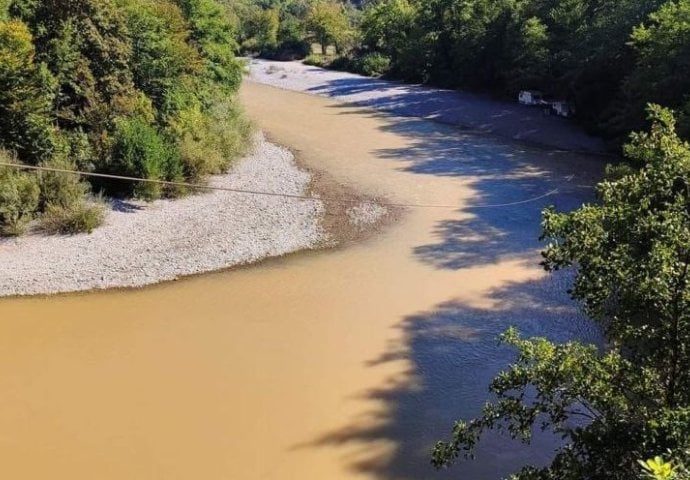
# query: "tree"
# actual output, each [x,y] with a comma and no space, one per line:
[27,90]
[161,53]
[86,46]
[328,23]
[633,255]
[214,35]
[662,71]
[387,25]
[267,24]
[632,258]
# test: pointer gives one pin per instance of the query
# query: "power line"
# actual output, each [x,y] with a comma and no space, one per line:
[197,186]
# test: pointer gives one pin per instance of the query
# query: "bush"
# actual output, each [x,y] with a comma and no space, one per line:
[140,151]
[315,60]
[343,63]
[62,189]
[19,198]
[210,140]
[250,46]
[79,217]
[374,64]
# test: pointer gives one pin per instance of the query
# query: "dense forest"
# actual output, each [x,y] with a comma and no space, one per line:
[608,58]
[136,88]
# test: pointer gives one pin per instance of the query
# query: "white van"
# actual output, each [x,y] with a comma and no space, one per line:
[562,109]
[531,97]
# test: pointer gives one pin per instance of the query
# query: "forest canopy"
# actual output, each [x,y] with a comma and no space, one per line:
[140,88]
[607,58]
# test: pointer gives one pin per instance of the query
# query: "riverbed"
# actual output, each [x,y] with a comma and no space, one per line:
[338,364]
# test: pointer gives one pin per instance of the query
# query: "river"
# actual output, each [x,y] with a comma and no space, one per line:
[338,364]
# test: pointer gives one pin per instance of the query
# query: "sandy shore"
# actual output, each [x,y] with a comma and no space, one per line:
[142,243]
[465,110]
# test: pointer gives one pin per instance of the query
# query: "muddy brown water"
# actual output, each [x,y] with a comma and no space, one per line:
[340,364]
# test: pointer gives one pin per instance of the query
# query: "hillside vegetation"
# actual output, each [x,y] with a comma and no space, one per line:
[140,88]
[608,58]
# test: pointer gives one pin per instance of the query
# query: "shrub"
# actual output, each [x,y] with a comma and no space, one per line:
[19,197]
[343,63]
[315,60]
[79,217]
[250,46]
[374,64]
[210,140]
[61,189]
[140,151]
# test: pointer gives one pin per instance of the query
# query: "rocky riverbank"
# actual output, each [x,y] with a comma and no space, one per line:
[145,243]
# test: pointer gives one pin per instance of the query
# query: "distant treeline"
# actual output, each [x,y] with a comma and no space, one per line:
[141,88]
[608,58]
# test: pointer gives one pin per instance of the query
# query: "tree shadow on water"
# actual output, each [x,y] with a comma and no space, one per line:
[451,355]
[448,355]
[511,184]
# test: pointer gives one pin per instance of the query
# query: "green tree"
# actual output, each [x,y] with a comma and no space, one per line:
[19,197]
[161,52]
[631,254]
[662,71]
[140,151]
[328,23]
[213,33]
[26,95]
[87,48]
[267,25]
[387,27]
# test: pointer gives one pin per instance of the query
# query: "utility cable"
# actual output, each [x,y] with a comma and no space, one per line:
[197,186]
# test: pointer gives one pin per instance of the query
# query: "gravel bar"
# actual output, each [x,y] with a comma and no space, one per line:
[469,111]
[145,243]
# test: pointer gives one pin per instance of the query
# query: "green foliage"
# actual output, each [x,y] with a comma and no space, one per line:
[209,143]
[213,33]
[642,230]
[86,46]
[161,52]
[26,95]
[140,151]
[106,85]
[267,25]
[329,25]
[19,197]
[632,400]
[570,382]
[662,64]
[80,217]
[273,28]
[60,189]
[316,60]
[374,64]
[658,469]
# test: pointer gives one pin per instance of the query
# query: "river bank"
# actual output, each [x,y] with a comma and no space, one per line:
[345,365]
[144,243]
[465,110]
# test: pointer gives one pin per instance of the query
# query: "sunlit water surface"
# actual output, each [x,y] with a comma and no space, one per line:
[342,364]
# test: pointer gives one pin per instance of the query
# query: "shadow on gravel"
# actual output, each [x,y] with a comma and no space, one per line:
[452,355]
[124,206]
[461,109]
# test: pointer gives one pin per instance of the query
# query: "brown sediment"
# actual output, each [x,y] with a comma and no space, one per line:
[338,198]
[341,364]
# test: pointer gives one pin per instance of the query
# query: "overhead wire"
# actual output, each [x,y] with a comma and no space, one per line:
[198,186]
